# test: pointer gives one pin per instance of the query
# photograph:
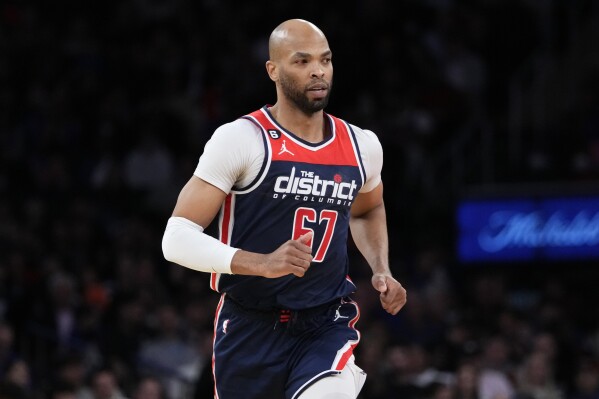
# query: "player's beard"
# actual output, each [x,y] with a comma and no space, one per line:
[299,97]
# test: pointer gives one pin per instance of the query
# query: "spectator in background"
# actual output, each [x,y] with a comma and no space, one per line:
[7,351]
[496,370]
[442,391]
[62,391]
[103,385]
[168,356]
[149,169]
[19,374]
[400,371]
[149,388]
[149,165]
[586,380]
[546,342]
[71,373]
[466,386]
[413,373]
[107,173]
[124,333]
[56,320]
[535,380]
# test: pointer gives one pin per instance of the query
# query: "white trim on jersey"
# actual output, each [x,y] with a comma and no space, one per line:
[226,211]
[296,141]
[350,281]
[345,385]
[230,214]
[267,156]
[354,145]
[349,345]
[313,379]
[214,281]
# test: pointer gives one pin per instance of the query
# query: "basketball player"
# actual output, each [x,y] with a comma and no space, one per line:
[291,182]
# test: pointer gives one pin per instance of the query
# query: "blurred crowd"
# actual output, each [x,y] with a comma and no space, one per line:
[104,111]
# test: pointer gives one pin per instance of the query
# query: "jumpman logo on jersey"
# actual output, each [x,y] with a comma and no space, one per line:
[284,149]
[338,315]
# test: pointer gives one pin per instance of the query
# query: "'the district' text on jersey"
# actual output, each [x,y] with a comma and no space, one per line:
[308,183]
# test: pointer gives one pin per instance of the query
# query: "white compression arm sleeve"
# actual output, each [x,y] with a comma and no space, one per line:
[185,243]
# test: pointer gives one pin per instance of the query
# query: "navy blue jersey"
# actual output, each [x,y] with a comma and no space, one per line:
[301,187]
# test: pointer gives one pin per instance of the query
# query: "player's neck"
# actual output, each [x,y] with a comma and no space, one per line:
[311,128]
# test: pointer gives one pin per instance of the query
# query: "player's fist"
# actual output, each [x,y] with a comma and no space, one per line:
[293,257]
[393,295]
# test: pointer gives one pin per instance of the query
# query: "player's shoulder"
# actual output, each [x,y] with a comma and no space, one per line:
[364,135]
[239,126]
[237,133]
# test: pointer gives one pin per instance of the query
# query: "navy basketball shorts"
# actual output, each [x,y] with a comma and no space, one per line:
[277,355]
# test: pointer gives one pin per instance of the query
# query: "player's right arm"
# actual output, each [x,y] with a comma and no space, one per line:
[224,162]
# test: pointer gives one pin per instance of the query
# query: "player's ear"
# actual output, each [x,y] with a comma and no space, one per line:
[272,70]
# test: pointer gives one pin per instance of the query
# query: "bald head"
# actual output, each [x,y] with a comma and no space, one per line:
[301,66]
[292,34]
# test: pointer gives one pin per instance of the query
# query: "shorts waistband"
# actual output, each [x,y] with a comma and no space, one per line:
[282,315]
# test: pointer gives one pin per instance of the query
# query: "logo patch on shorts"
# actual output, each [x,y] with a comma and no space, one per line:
[225,325]
[338,315]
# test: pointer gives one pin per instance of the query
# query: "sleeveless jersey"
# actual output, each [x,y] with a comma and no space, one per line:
[301,187]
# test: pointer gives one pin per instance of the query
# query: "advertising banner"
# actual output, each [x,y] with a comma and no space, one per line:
[528,229]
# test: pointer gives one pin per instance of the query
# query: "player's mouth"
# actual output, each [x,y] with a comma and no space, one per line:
[319,89]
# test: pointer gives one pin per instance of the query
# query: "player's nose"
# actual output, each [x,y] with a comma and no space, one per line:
[317,72]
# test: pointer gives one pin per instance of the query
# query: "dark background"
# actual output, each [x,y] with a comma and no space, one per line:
[104,111]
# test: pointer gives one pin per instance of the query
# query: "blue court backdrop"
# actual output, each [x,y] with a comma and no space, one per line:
[525,229]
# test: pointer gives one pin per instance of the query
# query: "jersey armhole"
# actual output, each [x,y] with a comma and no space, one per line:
[354,141]
[265,161]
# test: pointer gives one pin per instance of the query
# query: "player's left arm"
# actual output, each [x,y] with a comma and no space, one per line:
[368,225]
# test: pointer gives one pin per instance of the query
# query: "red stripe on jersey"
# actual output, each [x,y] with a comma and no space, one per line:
[347,354]
[226,220]
[216,317]
[288,147]
[225,225]
[345,357]
[214,281]
[352,322]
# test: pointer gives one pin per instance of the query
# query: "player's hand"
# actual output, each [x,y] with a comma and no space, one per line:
[392,294]
[293,257]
